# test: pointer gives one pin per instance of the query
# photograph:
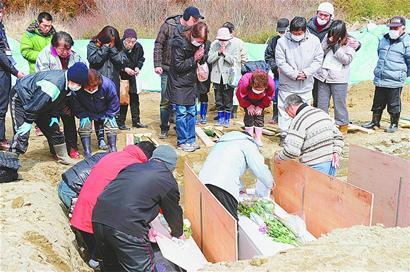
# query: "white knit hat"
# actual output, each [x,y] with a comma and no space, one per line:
[326,7]
[223,34]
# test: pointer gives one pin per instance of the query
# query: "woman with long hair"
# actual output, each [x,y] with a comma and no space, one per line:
[187,51]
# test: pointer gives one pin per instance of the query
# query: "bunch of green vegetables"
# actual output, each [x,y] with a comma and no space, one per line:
[275,228]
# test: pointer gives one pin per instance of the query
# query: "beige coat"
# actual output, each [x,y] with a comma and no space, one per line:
[221,63]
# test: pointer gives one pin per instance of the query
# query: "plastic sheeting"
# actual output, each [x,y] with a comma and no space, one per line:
[361,68]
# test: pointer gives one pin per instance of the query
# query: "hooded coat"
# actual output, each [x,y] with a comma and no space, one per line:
[105,171]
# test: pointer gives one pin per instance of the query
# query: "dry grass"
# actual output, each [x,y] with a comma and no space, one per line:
[255,20]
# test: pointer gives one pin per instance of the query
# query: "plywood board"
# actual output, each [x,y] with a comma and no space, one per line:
[192,208]
[353,127]
[324,202]
[380,174]
[214,229]
[188,255]
[204,138]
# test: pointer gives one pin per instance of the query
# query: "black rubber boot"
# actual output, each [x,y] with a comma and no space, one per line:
[86,141]
[234,112]
[112,142]
[375,121]
[394,123]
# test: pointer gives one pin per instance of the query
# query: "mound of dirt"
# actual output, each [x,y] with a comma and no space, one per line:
[354,249]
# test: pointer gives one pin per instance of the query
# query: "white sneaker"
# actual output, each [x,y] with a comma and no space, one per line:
[93,264]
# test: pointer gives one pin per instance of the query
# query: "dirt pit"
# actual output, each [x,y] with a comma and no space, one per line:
[35,233]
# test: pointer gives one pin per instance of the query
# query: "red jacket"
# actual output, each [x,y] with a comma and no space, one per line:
[247,97]
[105,171]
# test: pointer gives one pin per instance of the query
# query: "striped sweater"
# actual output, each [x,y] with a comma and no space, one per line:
[313,137]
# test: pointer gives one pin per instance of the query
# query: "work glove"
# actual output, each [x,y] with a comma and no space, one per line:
[258,110]
[23,129]
[54,120]
[111,121]
[84,121]
[251,110]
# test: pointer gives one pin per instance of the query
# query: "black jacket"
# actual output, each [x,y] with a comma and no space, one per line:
[133,199]
[108,61]
[270,55]
[5,64]
[313,28]
[42,92]
[182,86]
[75,176]
[135,59]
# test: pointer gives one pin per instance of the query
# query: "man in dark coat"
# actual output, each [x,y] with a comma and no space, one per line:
[124,210]
[174,25]
[135,54]
[38,98]
[281,27]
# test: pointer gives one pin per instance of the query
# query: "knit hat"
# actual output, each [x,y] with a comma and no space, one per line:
[282,25]
[327,7]
[129,33]
[397,21]
[223,34]
[166,154]
[78,73]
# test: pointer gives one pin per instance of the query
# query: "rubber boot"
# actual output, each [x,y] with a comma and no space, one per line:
[343,129]
[86,141]
[62,155]
[221,118]
[250,131]
[235,111]
[112,142]
[394,123]
[227,119]
[375,121]
[203,110]
[258,136]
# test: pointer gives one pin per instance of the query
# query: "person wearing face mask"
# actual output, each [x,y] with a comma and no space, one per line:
[255,92]
[392,69]
[172,26]
[182,90]
[281,27]
[98,102]
[223,55]
[135,54]
[299,55]
[106,55]
[333,76]
[60,56]
[36,98]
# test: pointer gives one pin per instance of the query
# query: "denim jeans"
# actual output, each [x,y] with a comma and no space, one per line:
[66,194]
[165,105]
[185,124]
[325,167]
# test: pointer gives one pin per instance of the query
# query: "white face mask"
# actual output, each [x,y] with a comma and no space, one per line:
[195,43]
[394,34]
[257,92]
[74,88]
[297,38]
[321,22]
[91,91]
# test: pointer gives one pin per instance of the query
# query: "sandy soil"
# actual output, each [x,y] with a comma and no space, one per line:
[35,235]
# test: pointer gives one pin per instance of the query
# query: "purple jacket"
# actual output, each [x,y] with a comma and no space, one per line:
[99,105]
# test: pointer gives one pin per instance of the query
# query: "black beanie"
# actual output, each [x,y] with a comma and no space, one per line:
[78,73]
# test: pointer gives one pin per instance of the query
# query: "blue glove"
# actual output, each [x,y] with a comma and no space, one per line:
[54,120]
[111,120]
[84,121]
[23,129]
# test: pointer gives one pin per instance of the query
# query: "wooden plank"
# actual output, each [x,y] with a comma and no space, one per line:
[380,174]
[129,139]
[192,208]
[353,127]
[324,202]
[219,230]
[204,138]
[188,256]
[214,229]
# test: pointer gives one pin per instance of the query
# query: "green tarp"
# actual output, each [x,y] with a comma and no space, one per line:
[361,68]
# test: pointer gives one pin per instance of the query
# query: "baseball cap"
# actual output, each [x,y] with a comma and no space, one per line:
[397,21]
[192,11]
[282,25]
